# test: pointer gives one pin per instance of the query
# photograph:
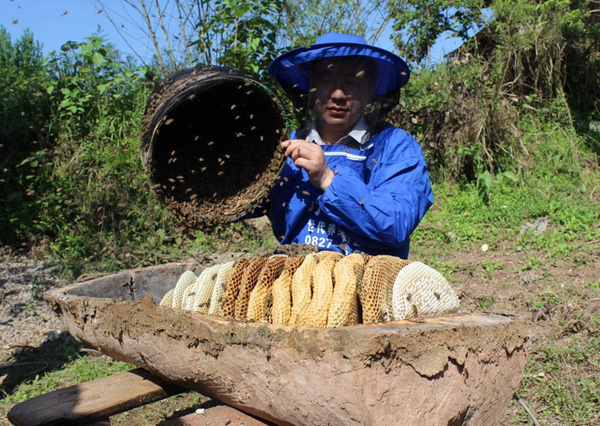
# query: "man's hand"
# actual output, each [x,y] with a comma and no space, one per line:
[310,157]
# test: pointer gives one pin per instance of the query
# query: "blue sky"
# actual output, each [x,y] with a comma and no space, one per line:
[54,22]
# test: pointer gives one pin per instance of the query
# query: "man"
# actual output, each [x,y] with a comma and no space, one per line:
[350,183]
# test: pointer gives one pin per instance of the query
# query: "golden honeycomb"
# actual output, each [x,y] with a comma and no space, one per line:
[261,299]
[325,289]
[377,286]
[282,291]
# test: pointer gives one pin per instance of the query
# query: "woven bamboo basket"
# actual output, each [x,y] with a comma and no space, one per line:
[210,144]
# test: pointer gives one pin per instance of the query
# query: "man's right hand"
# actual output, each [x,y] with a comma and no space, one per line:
[310,157]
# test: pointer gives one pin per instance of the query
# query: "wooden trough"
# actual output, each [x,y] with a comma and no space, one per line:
[457,369]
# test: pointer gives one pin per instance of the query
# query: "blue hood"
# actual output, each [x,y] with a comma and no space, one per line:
[291,71]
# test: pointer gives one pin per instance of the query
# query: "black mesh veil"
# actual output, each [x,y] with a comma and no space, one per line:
[376,111]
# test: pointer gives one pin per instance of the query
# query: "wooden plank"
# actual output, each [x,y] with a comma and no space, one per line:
[216,416]
[94,400]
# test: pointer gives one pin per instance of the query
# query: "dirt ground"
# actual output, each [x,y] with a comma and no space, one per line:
[557,298]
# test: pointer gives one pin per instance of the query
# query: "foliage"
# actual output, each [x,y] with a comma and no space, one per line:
[548,48]
[186,33]
[556,186]
[307,20]
[242,35]
[465,125]
[245,35]
[572,398]
[465,113]
[21,77]
[90,85]
[24,113]
[418,24]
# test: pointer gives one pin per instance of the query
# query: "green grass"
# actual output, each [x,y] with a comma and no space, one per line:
[550,208]
[77,369]
[565,380]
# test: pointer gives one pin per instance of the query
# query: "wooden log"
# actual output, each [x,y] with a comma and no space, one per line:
[93,401]
[461,368]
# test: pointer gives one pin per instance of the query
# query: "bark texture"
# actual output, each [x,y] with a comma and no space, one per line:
[456,369]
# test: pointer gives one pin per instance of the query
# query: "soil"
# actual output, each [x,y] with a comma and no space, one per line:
[26,320]
[558,298]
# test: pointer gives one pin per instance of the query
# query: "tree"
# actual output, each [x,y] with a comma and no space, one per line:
[186,33]
[306,20]
[243,34]
[418,24]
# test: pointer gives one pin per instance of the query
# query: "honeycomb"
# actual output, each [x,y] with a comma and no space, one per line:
[248,281]
[377,286]
[188,278]
[282,291]
[167,299]
[261,298]
[201,291]
[421,291]
[323,281]
[302,288]
[324,289]
[347,273]
[217,294]
[231,288]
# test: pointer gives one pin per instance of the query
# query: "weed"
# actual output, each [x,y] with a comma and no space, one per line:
[533,262]
[491,267]
[484,303]
[553,371]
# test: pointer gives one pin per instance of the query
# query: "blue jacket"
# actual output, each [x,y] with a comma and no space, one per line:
[377,198]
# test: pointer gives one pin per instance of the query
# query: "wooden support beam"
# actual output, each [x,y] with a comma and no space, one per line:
[216,416]
[93,401]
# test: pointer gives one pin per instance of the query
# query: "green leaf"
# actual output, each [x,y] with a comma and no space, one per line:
[97,58]
[87,48]
[510,175]
[102,87]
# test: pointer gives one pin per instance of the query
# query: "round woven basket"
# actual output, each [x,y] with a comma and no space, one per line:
[210,144]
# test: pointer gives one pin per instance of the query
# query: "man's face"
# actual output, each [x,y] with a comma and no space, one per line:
[342,89]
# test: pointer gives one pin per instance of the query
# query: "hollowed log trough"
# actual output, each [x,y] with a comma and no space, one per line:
[456,369]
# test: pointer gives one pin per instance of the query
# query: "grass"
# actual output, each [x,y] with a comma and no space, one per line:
[78,369]
[565,380]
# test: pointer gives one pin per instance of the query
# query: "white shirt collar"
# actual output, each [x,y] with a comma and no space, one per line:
[358,133]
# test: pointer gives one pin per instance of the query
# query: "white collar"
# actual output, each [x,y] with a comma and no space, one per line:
[358,133]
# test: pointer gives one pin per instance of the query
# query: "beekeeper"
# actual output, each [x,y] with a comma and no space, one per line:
[351,182]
